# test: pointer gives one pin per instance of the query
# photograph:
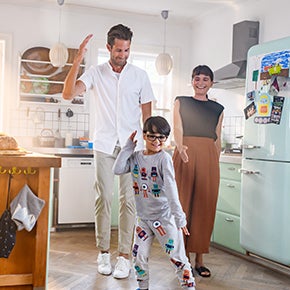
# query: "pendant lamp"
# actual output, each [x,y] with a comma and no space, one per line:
[58,54]
[164,61]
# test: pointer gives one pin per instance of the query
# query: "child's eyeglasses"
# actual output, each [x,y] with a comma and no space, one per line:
[161,138]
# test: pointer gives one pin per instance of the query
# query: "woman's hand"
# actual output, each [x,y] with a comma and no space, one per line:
[185,231]
[183,155]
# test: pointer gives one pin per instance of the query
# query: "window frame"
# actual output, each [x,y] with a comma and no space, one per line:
[164,86]
[5,82]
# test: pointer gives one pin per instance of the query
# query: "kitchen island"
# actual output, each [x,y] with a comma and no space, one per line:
[26,267]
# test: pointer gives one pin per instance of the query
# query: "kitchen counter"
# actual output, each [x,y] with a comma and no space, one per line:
[64,152]
[84,152]
[231,158]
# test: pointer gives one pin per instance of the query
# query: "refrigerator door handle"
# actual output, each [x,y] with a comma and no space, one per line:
[246,171]
[249,146]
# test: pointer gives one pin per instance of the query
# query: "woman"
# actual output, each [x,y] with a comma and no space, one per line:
[197,131]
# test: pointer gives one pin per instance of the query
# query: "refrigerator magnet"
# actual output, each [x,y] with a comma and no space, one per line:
[274,87]
[250,110]
[251,96]
[264,105]
[255,77]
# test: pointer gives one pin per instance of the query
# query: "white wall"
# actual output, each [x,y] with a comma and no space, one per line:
[212,35]
[34,26]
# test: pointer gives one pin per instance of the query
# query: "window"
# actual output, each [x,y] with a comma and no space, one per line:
[161,85]
[5,80]
[2,65]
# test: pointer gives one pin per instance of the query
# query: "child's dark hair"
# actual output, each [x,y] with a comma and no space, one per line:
[157,124]
[202,69]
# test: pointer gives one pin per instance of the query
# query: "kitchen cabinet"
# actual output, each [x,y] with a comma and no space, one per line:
[26,267]
[76,193]
[227,221]
[41,82]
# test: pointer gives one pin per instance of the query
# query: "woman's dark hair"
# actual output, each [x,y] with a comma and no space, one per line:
[120,32]
[157,124]
[204,70]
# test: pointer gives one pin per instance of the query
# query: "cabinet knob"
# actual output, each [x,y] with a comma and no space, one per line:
[229,220]
[230,185]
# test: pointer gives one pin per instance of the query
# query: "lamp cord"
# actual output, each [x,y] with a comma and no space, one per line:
[164,14]
[59,23]
[164,40]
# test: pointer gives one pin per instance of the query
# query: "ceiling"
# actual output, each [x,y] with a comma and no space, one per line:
[186,10]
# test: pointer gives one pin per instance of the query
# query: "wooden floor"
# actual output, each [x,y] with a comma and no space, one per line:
[72,265]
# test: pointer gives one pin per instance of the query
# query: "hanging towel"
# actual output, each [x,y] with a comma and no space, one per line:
[26,208]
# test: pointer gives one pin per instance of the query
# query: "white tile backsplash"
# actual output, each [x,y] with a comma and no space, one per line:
[233,126]
[30,123]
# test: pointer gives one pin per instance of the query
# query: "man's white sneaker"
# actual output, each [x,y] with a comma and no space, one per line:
[122,268]
[104,264]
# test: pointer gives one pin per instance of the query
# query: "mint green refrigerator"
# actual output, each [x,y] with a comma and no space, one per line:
[265,172]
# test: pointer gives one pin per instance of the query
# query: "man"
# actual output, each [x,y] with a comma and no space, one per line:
[122,93]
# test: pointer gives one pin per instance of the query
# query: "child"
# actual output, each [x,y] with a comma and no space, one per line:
[159,213]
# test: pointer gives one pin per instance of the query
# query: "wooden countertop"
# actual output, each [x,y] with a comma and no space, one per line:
[31,160]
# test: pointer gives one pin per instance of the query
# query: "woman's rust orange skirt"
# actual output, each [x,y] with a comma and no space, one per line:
[198,184]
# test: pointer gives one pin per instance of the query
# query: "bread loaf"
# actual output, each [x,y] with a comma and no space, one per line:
[7,143]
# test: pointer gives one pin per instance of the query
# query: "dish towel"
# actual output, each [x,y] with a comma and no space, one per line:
[26,208]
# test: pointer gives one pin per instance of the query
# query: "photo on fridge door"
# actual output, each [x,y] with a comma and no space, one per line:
[276,111]
[250,110]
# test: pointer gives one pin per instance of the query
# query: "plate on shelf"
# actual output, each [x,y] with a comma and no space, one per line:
[38,54]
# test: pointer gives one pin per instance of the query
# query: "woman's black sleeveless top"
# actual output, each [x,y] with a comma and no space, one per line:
[199,118]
